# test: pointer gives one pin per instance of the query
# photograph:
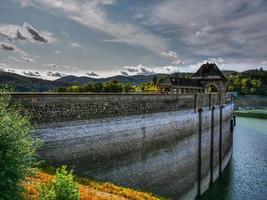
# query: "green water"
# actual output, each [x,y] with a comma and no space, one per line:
[246,176]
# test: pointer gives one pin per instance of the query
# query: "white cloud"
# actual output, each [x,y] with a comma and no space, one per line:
[13,59]
[25,33]
[75,45]
[57,52]
[91,74]
[4,66]
[8,47]
[12,48]
[169,54]
[93,15]
[52,65]
[173,56]
[32,73]
[55,74]
[143,70]
[177,62]
[27,59]
[232,29]
[64,68]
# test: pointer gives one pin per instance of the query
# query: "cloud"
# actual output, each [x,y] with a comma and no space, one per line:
[12,48]
[11,58]
[55,74]
[52,65]
[64,68]
[172,55]
[8,47]
[93,14]
[35,34]
[177,62]
[3,66]
[143,70]
[215,28]
[169,54]
[91,74]
[75,45]
[25,33]
[124,73]
[27,59]
[32,73]
[57,52]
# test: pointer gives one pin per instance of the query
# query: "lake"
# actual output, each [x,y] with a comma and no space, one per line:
[246,175]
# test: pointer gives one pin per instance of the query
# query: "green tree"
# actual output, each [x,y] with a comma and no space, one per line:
[127,87]
[62,188]
[112,86]
[155,80]
[97,87]
[17,149]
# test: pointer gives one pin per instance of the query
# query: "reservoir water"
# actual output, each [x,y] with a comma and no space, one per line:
[246,176]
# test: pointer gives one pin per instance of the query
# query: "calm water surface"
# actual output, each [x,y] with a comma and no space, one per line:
[246,175]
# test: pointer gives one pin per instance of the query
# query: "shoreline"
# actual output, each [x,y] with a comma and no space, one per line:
[260,114]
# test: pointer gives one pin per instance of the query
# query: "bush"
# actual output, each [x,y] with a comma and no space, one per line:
[62,188]
[17,149]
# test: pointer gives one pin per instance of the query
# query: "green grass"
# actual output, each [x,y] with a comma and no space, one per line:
[262,114]
[105,186]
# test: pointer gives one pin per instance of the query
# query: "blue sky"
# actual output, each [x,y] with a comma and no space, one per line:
[51,38]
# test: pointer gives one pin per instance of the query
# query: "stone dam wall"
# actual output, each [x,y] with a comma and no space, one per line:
[162,144]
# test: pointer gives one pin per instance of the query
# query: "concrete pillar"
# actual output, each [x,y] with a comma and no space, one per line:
[220,140]
[234,118]
[199,153]
[211,144]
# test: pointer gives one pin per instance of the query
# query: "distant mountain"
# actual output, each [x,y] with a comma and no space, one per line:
[28,84]
[135,80]
[229,72]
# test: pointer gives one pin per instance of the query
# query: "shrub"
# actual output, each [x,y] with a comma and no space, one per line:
[17,149]
[62,188]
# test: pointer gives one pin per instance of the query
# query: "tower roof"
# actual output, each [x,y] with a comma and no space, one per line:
[176,81]
[208,71]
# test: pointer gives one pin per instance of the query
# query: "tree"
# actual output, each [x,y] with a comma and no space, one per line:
[155,80]
[17,149]
[62,188]
[98,87]
[127,87]
[113,86]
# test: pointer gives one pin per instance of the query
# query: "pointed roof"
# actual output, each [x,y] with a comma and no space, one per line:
[209,71]
[176,81]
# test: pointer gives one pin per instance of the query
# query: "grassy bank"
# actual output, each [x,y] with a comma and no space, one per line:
[262,114]
[89,189]
[251,102]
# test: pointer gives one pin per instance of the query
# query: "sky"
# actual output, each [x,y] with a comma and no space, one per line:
[98,38]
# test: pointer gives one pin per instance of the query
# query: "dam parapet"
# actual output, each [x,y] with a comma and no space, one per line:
[56,107]
[171,145]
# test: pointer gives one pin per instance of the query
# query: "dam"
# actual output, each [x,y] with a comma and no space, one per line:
[170,145]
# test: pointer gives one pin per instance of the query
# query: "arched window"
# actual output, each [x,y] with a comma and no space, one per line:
[214,88]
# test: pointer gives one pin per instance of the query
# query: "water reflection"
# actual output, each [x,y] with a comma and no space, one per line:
[246,175]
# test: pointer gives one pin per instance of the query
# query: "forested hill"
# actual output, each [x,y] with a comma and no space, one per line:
[28,84]
[247,82]
[250,82]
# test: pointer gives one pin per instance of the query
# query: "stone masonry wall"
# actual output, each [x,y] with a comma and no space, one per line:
[155,152]
[47,108]
[146,142]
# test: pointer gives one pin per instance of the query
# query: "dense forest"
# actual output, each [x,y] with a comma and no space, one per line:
[251,82]
[111,87]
